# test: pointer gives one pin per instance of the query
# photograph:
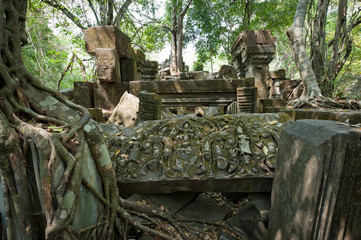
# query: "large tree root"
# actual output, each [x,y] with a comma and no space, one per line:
[24,131]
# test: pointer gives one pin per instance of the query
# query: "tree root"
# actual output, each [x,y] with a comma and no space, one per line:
[325,103]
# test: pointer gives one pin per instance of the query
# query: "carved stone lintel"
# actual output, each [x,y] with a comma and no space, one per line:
[180,154]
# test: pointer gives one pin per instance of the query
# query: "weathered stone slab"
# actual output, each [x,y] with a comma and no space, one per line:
[270,105]
[193,93]
[107,37]
[201,208]
[230,153]
[172,202]
[316,191]
[83,94]
[150,106]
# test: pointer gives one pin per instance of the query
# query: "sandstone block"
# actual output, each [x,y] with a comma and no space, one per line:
[125,114]
[279,74]
[129,69]
[83,94]
[150,106]
[107,37]
[96,114]
[107,95]
[316,189]
[108,67]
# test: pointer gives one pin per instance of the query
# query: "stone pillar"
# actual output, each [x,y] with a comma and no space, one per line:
[276,78]
[247,99]
[252,51]
[150,106]
[316,191]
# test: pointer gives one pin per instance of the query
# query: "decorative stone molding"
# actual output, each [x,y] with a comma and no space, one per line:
[185,153]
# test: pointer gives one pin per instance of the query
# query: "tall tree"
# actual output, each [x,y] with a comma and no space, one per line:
[213,26]
[177,10]
[329,57]
[298,46]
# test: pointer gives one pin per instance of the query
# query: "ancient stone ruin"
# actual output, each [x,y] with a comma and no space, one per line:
[252,51]
[311,168]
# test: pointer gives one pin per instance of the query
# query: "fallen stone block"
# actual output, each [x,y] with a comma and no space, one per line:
[126,112]
[249,220]
[201,208]
[172,202]
[316,190]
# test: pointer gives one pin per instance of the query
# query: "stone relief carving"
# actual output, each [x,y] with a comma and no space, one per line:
[198,148]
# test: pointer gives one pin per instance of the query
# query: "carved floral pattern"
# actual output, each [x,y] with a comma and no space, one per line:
[199,148]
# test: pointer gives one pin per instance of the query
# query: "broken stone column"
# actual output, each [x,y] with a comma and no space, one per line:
[275,79]
[150,106]
[252,51]
[247,99]
[316,190]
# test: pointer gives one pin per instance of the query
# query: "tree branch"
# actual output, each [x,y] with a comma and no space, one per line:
[93,10]
[121,12]
[70,15]
[183,13]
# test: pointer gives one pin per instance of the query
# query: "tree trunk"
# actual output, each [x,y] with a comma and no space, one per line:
[57,177]
[327,84]
[318,40]
[295,34]
[180,45]
[177,15]
[41,168]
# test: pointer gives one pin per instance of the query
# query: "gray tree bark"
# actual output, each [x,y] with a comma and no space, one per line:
[178,14]
[297,42]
